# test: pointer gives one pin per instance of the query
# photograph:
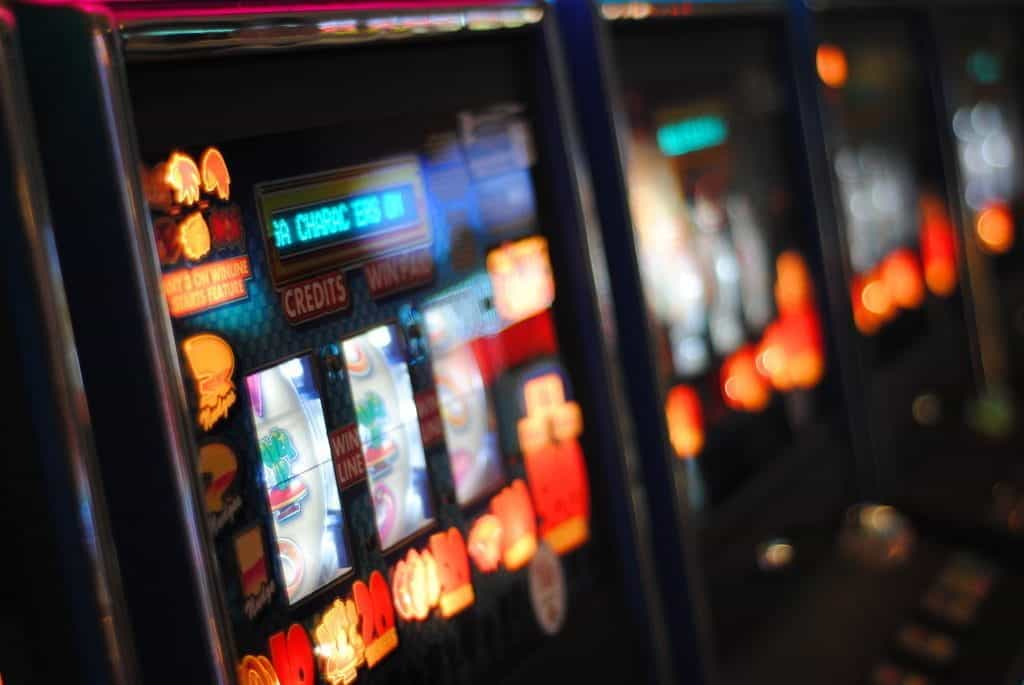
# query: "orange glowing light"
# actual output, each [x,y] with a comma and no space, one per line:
[791,353]
[377,617]
[215,173]
[449,550]
[685,421]
[793,288]
[194,235]
[557,476]
[415,585]
[876,298]
[995,230]
[182,175]
[292,656]
[832,68]
[867,322]
[339,644]
[521,278]
[256,670]
[743,388]
[901,273]
[212,363]
[484,545]
[805,349]
[513,509]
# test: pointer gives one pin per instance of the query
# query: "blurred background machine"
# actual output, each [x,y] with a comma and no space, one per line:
[779,196]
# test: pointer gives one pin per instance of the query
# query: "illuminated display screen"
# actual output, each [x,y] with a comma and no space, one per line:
[343,217]
[389,431]
[334,221]
[298,476]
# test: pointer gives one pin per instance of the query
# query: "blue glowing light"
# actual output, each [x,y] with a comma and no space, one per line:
[691,135]
[337,220]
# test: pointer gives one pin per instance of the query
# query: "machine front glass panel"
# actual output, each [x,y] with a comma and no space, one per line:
[727,258]
[362,294]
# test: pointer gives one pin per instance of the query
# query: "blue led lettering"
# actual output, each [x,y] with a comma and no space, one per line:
[282,233]
[394,206]
[367,211]
[338,220]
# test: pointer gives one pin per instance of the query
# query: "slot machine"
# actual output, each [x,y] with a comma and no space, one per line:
[980,63]
[737,384]
[61,592]
[939,419]
[770,413]
[332,274]
[892,178]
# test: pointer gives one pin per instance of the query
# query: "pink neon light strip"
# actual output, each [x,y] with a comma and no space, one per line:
[135,10]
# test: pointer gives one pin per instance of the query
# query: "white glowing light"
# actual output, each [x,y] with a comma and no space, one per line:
[380,337]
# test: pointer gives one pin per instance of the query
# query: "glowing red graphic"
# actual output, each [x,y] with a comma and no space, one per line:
[938,247]
[558,482]
[292,656]
[377,617]
[514,511]
[449,550]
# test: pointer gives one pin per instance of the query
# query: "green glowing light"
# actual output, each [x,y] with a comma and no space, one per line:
[985,67]
[690,135]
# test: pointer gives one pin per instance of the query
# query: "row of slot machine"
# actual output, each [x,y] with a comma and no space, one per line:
[508,341]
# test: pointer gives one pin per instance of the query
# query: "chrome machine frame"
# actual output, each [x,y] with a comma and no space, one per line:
[61,422]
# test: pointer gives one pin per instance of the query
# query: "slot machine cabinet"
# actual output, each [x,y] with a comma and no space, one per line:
[738,375]
[60,590]
[345,360]
[980,65]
